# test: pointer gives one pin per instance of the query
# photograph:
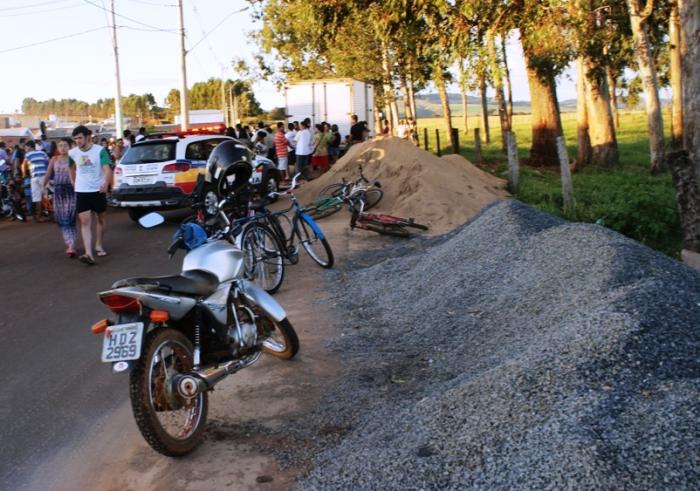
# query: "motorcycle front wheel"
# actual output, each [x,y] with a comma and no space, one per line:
[280,338]
[170,424]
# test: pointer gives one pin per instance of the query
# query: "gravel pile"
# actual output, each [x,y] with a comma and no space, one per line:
[521,351]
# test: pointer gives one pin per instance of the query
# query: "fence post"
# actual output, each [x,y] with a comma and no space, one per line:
[455,140]
[426,142]
[437,139]
[513,165]
[477,147]
[567,188]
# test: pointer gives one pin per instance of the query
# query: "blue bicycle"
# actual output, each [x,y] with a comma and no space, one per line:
[303,230]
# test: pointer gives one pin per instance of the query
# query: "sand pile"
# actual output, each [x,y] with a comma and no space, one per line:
[441,192]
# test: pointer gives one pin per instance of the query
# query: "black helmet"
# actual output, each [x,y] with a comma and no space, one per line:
[230,166]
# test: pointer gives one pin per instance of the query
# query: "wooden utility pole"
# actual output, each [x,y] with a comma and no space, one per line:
[118,120]
[567,188]
[184,115]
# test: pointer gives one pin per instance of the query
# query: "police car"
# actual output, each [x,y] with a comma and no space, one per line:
[161,172]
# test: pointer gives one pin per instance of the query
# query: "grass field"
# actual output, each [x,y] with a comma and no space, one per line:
[627,199]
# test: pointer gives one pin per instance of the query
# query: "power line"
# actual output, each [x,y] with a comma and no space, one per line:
[154,3]
[38,43]
[129,18]
[53,2]
[144,29]
[217,25]
[43,11]
[204,35]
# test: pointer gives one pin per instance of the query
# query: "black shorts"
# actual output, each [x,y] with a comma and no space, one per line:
[96,202]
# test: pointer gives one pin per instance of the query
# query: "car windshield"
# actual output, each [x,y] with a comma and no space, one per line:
[159,151]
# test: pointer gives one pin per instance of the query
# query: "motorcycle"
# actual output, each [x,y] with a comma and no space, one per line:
[10,201]
[179,336]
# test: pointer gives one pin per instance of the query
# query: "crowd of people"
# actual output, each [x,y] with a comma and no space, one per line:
[310,148]
[80,172]
[77,171]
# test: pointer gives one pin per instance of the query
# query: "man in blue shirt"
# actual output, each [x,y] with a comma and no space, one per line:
[36,163]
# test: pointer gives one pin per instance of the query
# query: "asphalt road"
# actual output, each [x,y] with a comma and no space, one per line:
[54,388]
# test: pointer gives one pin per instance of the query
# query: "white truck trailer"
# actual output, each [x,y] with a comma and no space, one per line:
[330,100]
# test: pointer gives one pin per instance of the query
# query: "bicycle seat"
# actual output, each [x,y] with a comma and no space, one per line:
[195,282]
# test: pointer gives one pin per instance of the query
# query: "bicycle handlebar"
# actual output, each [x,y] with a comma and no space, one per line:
[288,191]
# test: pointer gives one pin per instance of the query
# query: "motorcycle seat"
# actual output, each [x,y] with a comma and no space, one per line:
[195,282]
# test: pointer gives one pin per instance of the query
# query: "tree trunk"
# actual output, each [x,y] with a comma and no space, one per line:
[465,108]
[676,85]
[446,112]
[612,88]
[388,89]
[601,128]
[411,90]
[546,121]
[688,192]
[509,87]
[645,62]
[407,111]
[498,87]
[583,155]
[484,109]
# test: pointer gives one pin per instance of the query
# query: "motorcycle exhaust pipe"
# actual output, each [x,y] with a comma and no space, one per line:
[204,379]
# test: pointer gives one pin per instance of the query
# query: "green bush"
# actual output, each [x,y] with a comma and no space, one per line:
[628,200]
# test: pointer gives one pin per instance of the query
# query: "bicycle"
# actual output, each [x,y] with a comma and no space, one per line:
[332,197]
[302,229]
[380,223]
[263,261]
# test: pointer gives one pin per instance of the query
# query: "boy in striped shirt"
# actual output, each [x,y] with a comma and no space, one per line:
[281,150]
[36,162]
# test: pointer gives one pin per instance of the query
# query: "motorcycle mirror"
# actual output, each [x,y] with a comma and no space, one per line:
[151,220]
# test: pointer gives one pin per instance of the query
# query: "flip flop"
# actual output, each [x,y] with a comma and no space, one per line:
[101,253]
[87,260]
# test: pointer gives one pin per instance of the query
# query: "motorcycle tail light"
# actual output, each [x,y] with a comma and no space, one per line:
[119,303]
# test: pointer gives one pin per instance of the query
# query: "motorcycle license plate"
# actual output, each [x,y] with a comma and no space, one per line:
[256,178]
[123,342]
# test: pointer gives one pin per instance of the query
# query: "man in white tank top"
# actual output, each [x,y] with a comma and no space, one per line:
[91,174]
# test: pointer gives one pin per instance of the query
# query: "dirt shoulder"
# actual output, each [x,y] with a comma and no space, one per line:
[248,413]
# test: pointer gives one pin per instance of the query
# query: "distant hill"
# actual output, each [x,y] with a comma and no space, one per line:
[429,104]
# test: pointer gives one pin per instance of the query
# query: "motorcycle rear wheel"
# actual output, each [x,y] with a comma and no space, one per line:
[156,404]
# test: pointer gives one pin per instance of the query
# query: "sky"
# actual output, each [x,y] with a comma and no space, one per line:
[82,67]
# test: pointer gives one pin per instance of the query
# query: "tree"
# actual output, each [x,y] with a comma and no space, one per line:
[645,63]
[547,53]
[685,165]
[676,84]
[597,36]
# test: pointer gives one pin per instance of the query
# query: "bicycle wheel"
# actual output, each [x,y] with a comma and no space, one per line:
[332,190]
[411,223]
[264,264]
[313,241]
[373,197]
[327,208]
[394,230]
